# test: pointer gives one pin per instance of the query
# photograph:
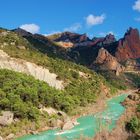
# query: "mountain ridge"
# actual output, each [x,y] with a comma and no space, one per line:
[83,50]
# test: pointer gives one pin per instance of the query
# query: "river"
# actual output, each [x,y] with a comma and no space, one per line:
[88,125]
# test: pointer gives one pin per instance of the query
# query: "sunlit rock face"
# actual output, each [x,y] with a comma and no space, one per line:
[107,62]
[6,118]
[129,46]
[72,37]
[19,65]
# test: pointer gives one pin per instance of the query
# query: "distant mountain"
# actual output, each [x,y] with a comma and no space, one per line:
[42,43]
[72,37]
[83,50]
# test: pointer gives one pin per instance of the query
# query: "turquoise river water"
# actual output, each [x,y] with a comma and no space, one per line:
[88,125]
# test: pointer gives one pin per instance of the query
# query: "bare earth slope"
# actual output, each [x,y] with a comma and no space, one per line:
[19,65]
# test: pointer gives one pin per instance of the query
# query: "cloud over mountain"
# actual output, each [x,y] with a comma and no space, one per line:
[32,28]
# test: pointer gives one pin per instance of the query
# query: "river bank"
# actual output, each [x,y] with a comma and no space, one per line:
[120,132]
[89,124]
[99,106]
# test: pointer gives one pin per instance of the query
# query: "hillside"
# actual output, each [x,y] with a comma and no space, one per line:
[37,57]
[23,94]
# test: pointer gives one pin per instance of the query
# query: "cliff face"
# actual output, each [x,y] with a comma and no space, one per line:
[108,39]
[80,49]
[19,65]
[106,61]
[129,46]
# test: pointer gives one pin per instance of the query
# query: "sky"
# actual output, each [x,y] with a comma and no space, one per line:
[94,17]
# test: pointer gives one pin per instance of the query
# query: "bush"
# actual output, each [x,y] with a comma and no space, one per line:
[138,108]
[133,125]
[75,74]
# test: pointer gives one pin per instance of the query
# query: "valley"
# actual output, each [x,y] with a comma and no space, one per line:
[49,82]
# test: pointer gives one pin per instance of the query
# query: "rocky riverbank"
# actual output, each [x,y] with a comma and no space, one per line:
[120,132]
[64,121]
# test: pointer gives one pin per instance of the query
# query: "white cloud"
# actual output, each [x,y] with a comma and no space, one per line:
[136,6]
[106,33]
[32,28]
[74,28]
[92,20]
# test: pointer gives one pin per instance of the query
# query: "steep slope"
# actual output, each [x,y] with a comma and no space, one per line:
[42,43]
[23,95]
[129,46]
[19,65]
[105,61]
[35,55]
[66,71]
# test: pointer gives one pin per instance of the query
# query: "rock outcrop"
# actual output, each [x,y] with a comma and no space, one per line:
[6,118]
[22,32]
[108,39]
[129,46]
[65,44]
[72,37]
[19,65]
[68,125]
[132,65]
[50,111]
[64,122]
[107,62]
[10,136]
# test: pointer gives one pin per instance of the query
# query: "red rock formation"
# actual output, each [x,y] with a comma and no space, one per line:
[106,61]
[108,39]
[129,46]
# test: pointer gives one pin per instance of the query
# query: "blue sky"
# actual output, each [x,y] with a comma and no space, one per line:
[94,17]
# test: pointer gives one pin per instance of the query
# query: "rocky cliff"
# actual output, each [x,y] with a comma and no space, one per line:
[106,61]
[19,65]
[129,46]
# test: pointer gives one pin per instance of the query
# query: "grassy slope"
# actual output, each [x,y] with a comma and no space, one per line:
[23,94]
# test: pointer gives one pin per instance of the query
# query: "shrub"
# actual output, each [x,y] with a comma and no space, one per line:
[133,125]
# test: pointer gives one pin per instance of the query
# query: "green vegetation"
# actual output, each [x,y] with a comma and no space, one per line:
[138,108]
[135,78]
[23,94]
[126,80]
[112,79]
[54,36]
[10,39]
[79,90]
[134,125]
